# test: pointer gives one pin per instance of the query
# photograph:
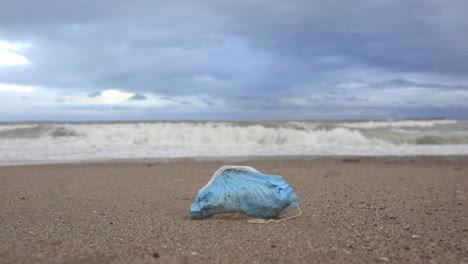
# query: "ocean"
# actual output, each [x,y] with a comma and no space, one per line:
[44,142]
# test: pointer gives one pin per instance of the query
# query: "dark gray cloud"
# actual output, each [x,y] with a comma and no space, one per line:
[94,94]
[408,83]
[248,53]
[138,97]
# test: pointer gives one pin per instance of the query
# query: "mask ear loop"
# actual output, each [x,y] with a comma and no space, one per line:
[263,221]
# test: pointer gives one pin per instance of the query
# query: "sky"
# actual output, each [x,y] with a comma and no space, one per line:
[233,60]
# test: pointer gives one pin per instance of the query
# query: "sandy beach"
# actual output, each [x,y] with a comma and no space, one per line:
[355,210]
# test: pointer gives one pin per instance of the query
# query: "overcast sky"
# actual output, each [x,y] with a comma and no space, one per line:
[244,60]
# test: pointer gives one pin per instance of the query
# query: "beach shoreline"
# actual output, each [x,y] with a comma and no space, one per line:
[355,209]
[234,159]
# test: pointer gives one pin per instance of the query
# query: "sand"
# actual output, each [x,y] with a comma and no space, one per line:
[361,210]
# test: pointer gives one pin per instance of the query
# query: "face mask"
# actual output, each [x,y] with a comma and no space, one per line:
[243,189]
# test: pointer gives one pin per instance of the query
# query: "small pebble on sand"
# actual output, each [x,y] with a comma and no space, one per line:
[384,259]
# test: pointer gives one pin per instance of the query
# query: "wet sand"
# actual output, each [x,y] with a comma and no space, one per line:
[360,210]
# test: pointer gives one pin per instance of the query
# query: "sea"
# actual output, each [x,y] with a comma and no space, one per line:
[63,142]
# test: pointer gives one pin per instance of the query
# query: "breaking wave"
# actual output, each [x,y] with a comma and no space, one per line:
[90,141]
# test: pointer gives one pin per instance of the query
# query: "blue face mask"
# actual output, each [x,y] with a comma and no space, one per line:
[243,189]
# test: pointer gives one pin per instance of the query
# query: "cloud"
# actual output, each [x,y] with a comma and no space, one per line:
[138,97]
[14,88]
[10,54]
[408,83]
[290,55]
[115,96]
[94,94]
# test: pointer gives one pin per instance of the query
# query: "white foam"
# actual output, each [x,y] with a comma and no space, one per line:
[4,127]
[190,134]
[78,142]
[398,124]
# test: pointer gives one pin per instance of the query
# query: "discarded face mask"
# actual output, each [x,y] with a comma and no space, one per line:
[234,189]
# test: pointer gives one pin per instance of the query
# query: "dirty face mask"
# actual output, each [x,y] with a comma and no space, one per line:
[234,189]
